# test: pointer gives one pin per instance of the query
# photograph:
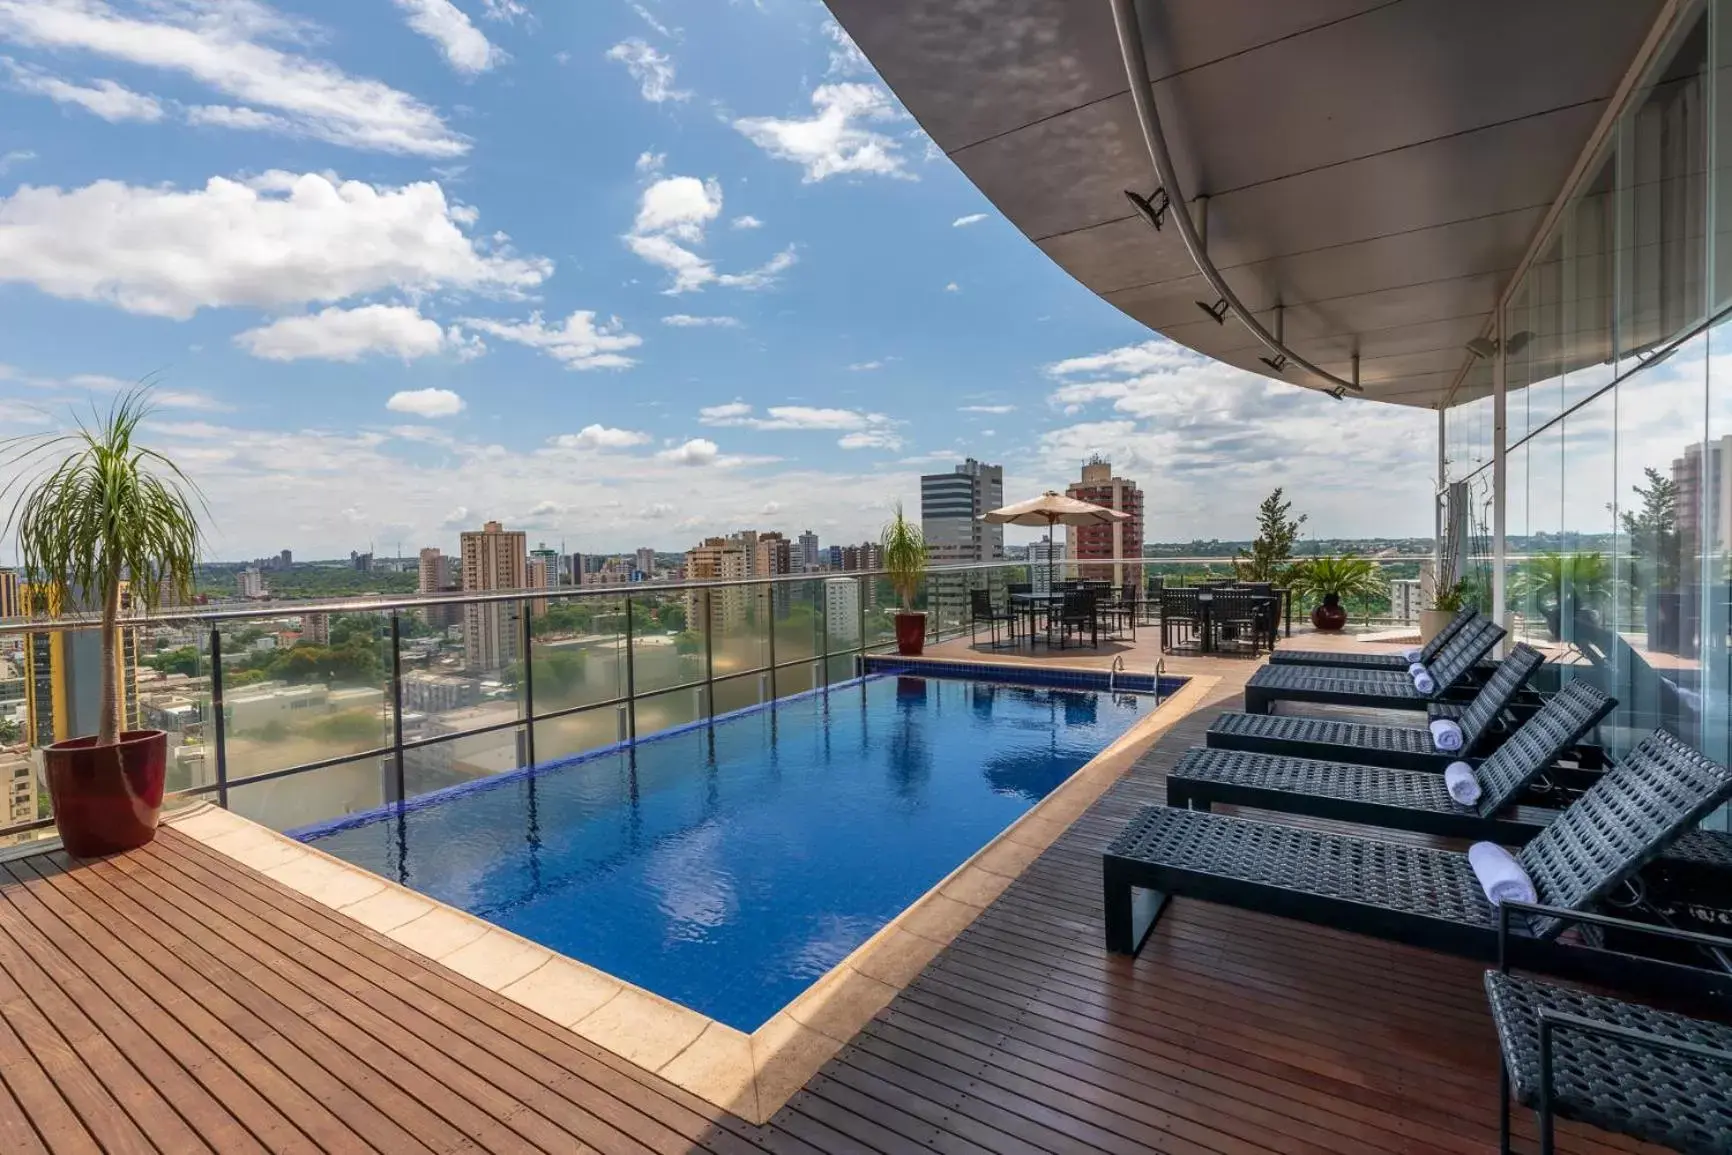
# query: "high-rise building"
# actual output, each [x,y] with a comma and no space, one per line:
[537,577]
[11,595]
[493,558]
[717,559]
[250,583]
[17,784]
[549,558]
[1045,560]
[363,562]
[833,557]
[63,680]
[434,572]
[316,629]
[809,557]
[775,557]
[951,505]
[1121,539]
[842,610]
[646,562]
[286,558]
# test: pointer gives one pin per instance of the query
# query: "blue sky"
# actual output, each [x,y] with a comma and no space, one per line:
[616,273]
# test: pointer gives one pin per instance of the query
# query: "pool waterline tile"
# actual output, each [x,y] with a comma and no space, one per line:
[751,1075]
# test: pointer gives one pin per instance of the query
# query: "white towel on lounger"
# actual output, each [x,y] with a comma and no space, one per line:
[1446,735]
[1413,654]
[1422,679]
[1459,780]
[1500,875]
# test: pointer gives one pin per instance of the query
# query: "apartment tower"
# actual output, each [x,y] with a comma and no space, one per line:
[1121,539]
[493,558]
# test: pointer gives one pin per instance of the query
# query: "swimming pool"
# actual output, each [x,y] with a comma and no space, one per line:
[727,866]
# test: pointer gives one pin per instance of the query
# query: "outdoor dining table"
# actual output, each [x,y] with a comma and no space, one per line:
[1205,611]
[1032,602]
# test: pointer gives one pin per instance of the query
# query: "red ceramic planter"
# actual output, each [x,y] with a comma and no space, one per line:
[910,633]
[107,798]
[1329,616]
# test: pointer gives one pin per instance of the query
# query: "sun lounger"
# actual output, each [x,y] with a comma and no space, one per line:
[1349,659]
[1375,689]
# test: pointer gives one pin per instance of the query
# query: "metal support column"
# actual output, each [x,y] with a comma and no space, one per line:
[218,723]
[630,678]
[709,652]
[1499,477]
[770,625]
[524,640]
[400,788]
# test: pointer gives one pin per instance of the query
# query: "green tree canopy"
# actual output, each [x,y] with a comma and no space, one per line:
[1277,530]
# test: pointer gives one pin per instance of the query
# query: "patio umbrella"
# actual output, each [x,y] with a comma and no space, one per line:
[1051,509]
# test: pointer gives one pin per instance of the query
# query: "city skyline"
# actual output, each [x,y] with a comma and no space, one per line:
[744,288]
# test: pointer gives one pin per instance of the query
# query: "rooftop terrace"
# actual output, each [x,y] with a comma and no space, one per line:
[174,1000]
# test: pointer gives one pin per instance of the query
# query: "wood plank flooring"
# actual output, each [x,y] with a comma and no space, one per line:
[171,1001]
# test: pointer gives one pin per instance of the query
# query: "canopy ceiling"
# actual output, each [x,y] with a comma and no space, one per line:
[1379,167]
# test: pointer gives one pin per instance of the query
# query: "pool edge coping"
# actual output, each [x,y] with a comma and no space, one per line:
[750,1075]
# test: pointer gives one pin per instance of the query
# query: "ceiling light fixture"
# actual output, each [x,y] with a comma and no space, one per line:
[1151,208]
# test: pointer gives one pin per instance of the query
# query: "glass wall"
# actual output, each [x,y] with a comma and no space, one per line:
[1618,473]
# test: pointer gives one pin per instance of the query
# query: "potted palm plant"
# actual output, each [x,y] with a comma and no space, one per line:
[99,518]
[1329,579]
[1561,586]
[905,562]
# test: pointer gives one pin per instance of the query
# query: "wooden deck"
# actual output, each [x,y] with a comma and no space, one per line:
[172,1001]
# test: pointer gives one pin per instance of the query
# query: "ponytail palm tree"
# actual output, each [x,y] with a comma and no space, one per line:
[905,556]
[93,510]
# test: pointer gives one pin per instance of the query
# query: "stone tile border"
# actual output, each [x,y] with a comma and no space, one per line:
[750,1075]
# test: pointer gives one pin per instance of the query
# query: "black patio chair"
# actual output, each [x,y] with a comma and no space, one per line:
[1075,614]
[1347,659]
[1416,894]
[1653,1075]
[1404,747]
[1118,609]
[1376,688]
[1181,611]
[1236,616]
[1399,799]
[981,610]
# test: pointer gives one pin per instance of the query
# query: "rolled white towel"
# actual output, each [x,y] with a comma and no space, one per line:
[1446,735]
[1459,780]
[1500,875]
[1422,679]
[1413,654]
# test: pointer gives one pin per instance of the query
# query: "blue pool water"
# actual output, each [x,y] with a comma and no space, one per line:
[726,867]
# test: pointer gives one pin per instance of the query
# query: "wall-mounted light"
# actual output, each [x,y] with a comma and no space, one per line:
[1217,312]
[1486,347]
[1152,208]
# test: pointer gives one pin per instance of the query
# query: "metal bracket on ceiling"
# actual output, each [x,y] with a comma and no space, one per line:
[1279,361]
[1152,208]
[1130,37]
[1217,311]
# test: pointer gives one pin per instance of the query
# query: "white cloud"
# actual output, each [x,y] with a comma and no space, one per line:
[578,344]
[601,437]
[986,409]
[226,46]
[649,18]
[465,47]
[111,101]
[746,222]
[426,403]
[846,59]
[680,206]
[187,399]
[687,321]
[672,217]
[834,141]
[15,157]
[236,117]
[970,219]
[860,430]
[697,451]
[338,334]
[871,439]
[651,68]
[650,162]
[505,11]
[866,366]
[953,287]
[277,241]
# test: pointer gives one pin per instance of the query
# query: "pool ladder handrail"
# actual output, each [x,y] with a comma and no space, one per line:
[1112,674]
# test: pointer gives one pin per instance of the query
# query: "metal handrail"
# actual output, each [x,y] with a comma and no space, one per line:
[1148,117]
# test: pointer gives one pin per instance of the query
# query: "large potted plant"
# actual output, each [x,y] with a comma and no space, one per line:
[1445,602]
[1561,586]
[1329,579]
[96,515]
[905,562]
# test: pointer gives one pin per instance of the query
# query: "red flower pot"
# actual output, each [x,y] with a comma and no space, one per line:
[1329,616]
[107,798]
[910,633]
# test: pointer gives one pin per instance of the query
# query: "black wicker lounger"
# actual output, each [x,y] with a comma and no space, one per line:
[1654,1075]
[1388,689]
[1347,659]
[1408,747]
[1400,799]
[1409,893]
